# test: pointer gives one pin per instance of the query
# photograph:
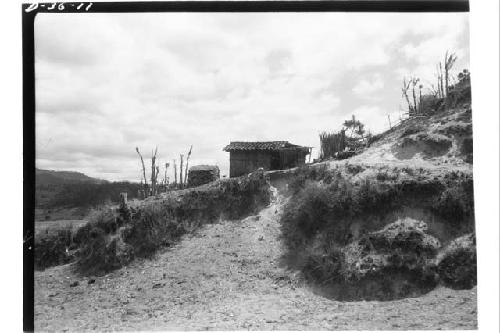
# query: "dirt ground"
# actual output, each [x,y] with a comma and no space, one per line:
[227,276]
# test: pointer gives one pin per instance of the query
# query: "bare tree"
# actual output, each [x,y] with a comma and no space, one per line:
[180,171]
[187,165]
[165,179]
[404,90]
[413,104]
[420,98]
[449,60]
[154,174]
[175,173]
[414,82]
[145,186]
[440,80]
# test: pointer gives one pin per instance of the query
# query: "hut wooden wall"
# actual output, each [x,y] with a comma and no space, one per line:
[291,158]
[244,162]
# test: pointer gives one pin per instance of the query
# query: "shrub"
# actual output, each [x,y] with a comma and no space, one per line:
[305,214]
[52,249]
[455,128]
[430,144]
[354,168]
[374,138]
[305,173]
[386,176]
[467,149]
[456,203]
[102,253]
[412,129]
[431,104]
[457,263]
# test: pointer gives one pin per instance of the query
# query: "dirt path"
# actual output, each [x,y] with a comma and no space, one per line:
[227,277]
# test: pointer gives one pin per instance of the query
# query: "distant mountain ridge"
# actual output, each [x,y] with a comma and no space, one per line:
[52,177]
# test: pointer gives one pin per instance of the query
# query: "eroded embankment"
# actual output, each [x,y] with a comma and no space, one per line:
[228,276]
[114,237]
[367,232]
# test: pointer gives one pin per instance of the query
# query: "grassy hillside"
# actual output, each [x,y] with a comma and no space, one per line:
[393,221]
[70,195]
[52,177]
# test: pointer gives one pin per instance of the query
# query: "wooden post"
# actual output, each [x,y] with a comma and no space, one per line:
[389,118]
[145,186]
[153,172]
[165,179]
[175,173]
[123,200]
[187,165]
[414,82]
[180,171]
[441,79]
[448,64]
[404,90]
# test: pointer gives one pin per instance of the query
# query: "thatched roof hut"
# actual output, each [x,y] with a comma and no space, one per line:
[202,174]
[246,157]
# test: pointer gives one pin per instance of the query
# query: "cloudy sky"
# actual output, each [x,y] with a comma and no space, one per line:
[106,83]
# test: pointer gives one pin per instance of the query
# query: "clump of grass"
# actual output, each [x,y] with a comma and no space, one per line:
[305,174]
[412,129]
[429,144]
[453,128]
[102,253]
[466,149]
[456,202]
[374,138]
[53,249]
[433,142]
[354,169]
[386,176]
[457,263]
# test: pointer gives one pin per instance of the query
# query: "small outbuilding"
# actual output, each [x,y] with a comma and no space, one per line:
[245,157]
[202,174]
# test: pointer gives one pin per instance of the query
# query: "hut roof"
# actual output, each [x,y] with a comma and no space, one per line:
[262,145]
[203,167]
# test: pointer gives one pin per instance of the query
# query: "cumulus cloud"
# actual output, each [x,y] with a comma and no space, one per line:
[365,88]
[107,83]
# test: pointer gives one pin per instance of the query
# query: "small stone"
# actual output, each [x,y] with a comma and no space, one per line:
[91,281]
[74,284]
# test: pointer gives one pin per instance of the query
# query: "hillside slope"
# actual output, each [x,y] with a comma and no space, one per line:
[52,177]
[228,276]
[383,240]
[378,225]
[443,139]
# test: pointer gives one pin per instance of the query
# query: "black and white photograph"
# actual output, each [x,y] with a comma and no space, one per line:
[253,170]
